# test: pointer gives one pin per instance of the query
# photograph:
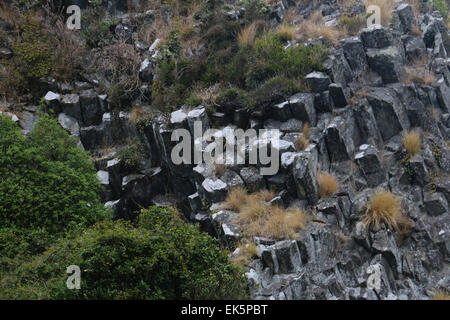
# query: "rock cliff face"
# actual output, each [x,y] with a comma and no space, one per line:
[358,111]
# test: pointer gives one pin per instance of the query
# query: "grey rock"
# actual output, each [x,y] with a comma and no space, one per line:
[387,62]
[354,53]
[369,162]
[253,179]
[304,171]
[376,37]
[215,190]
[302,107]
[435,203]
[337,95]
[90,108]
[70,105]
[70,124]
[318,81]
[5,53]
[389,112]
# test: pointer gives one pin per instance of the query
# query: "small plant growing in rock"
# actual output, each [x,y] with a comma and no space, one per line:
[327,184]
[302,141]
[385,208]
[412,142]
[441,6]
[132,153]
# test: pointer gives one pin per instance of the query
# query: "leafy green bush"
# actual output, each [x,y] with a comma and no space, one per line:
[208,9]
[47,181]
[94,30]
[33,58]
[441,6]
[132,153]
[269,59]
[232,99]
[161,258]
[274,90]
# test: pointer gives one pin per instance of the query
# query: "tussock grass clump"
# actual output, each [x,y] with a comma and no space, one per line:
[315,27]
[441,295]
[246,36]
[302,141]
[419,75]
[236,198]
[327,184]
[305,130]
[412,142]
[259,218]
[385,208]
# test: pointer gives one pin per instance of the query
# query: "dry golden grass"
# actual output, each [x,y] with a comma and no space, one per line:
[236,198]
[314,27]
[246,36]
[257,217]
[305,130]
[301,143]
[182,20]
[412,142]
[327,184]
[247,252]
[441,295]
[386,8]
[419,75]
[385,208]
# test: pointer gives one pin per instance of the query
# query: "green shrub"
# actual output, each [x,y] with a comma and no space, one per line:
[132,153]
[33,58]
[275,90]
[255,10]
[208,10]
[232,99]
[161,258]
[94,30]
[441,6]
[194,102]
[352,25]
[47,180]
[269,59]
